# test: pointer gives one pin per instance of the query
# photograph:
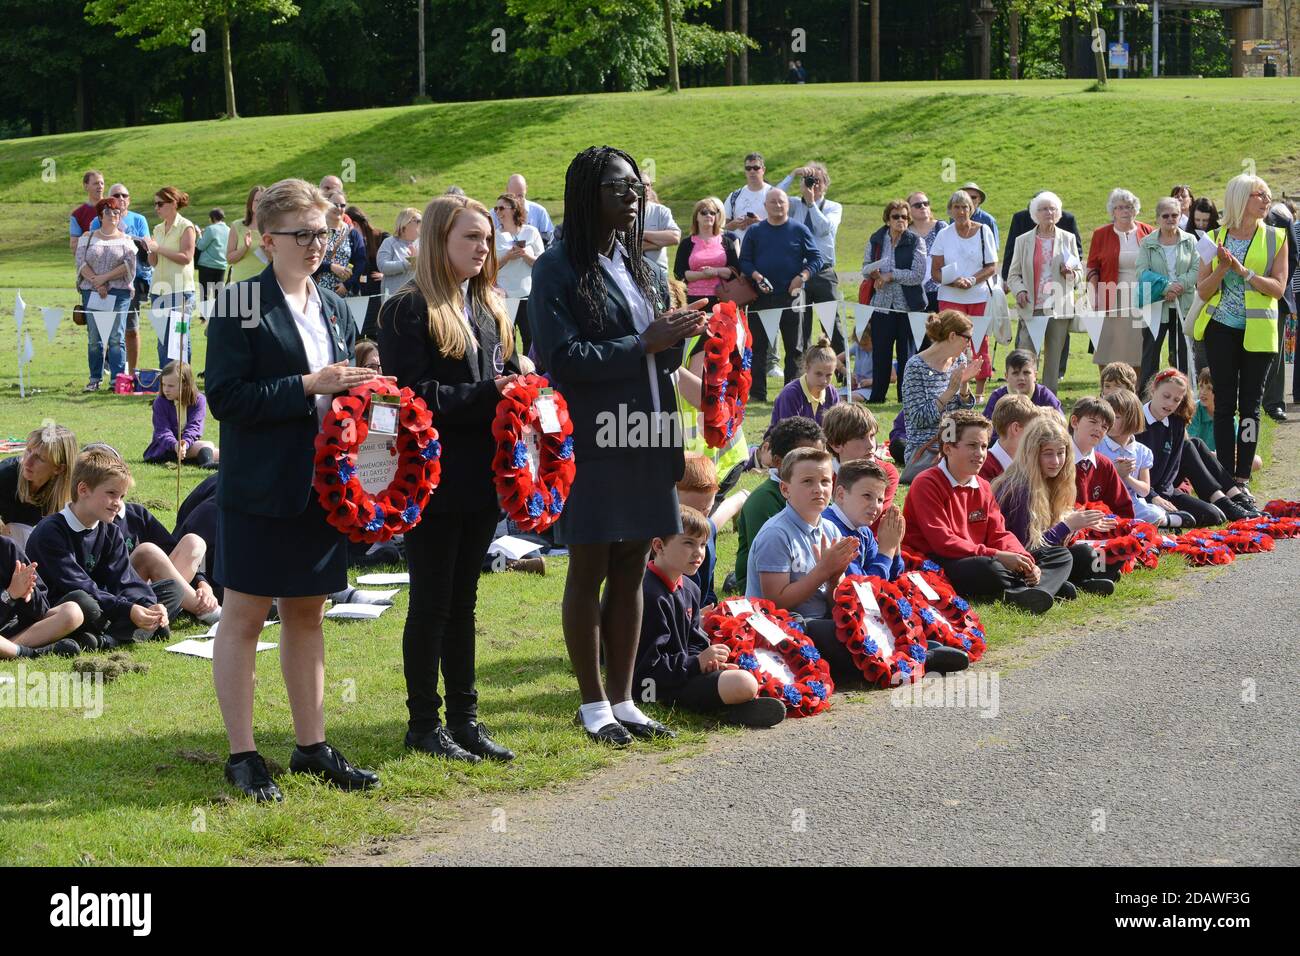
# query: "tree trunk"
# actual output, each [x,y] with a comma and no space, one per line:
[744,54]
[728,25]
[854,44]
[1098,53]
[1014,30]
[674,80]
[228,70]
[82,108]
[420,30]
[875,41]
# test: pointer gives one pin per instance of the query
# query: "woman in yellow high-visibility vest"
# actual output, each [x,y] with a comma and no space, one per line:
[1240,288]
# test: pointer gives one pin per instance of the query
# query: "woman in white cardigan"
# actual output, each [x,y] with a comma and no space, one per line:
[1044,274]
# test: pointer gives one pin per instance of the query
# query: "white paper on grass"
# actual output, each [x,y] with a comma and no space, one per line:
[1036,326]
[358,612]
[212,631]
[768,628]
[51,317]
[357,305]
[979,329]
[867,597]
[770,662]
[512,547]
[1207,248]
[512,309]
[771,321]
[197,647]
[923,586]
[825,312]
[917,320]
[738,607]
[385,595]
[399,577]
[104,322]
[7,679]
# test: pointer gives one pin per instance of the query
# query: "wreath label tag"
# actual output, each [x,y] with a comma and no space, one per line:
[383,414]
[533,448]
[376,464]
[868,599]
[876,629]
[924,586]
[547,416]
[739,607]
[770,662]
[768,629]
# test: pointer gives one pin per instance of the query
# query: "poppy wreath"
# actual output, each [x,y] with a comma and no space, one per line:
[954,608]
[727,375]
[532,505]
[1238,542]
[810,692]
[1201,551]
[907,662]
[1273,527]
[396,509]
[1279,508]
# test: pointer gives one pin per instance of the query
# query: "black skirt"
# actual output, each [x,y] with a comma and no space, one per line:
[631,497]
[301,556]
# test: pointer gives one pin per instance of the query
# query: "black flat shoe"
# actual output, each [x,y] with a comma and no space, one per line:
[1232,511]
[1033,600]
[613,733]
[474,738]
[332,767]
[252,777]
[759,712]
[439,743]
[1068,592]
[942,659]
[650,730]
[1246,502]
[64,648]
[1103,586]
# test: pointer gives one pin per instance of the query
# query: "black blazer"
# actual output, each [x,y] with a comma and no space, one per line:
[1022,223]
[254,385]
[602,371]
[459,391]
[682,261]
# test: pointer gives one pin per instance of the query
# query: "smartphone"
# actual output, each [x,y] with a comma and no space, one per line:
[751,215]
[520,243]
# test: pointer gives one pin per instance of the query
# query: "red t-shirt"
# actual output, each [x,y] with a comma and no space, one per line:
[85,215]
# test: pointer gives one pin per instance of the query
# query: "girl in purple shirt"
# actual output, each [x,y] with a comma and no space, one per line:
[177,381]
[812,392]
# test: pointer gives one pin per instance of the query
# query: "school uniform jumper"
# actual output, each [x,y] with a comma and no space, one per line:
[671,642]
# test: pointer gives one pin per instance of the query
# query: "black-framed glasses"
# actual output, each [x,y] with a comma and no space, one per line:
[752,169]
[305,237]
[621,187]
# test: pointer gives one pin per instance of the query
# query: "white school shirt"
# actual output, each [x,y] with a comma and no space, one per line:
[1000,453]
[315,339]
[642,313]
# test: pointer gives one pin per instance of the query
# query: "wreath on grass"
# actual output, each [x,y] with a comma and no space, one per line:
[889,648]
[533,499]
[1280,508]
[949,619]
[397,509]
[728,355]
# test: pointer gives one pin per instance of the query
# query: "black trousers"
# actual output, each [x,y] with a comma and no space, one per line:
[96,622]
[822,287]
[986,577]
[1238,391]
[821,631]
[891,333]
[444,554]
[1275,386]
[1151,350]
[525,333]
[1089,563]
[789,328]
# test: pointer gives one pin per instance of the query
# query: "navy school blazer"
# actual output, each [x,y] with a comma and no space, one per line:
[254,387]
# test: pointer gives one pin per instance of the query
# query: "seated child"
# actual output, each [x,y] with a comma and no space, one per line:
[82,555]
[1011,417]
[859,502]
[1118,375]
[953,519]
[1176,458]
[850,431]
[29,627]
[766,500]
[1022,379]
[1132,461]
[1036,495]
[1095,478]
[674,660]
[898,437]
[1201,427]
[177,381]
[698,489]
[813,392]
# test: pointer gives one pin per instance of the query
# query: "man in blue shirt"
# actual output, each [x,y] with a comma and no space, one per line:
[133,224]
[779,256]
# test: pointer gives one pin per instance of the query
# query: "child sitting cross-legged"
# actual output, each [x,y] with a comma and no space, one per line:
[170,439]
[860,503]
[1011,417]
[813,393]
[1022,379]
[850,431]
[675,663]
[83,557]
[29,627]
[1036,495]
[1133,461]
[1095,478]
[953,519]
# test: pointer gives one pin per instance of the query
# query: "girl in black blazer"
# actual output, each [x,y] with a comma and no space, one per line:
[447,337]
[600,333]
[279,348]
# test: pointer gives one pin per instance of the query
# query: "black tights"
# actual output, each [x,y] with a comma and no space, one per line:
[613,617]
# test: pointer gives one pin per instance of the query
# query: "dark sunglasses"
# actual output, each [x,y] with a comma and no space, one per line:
[921,204]
[752,169]
[901,217]
[120,196]
[621,187]
[160,202]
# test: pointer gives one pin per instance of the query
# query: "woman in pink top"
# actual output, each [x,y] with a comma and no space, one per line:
[705,257]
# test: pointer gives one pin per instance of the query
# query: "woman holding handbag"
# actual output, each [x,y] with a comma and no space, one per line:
[707,261]
[1169,252]
[895,264]
[964,258]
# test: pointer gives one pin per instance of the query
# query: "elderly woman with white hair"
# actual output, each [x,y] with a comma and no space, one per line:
[1112,275]
[1169,252]
[1044,273]
[1240,287]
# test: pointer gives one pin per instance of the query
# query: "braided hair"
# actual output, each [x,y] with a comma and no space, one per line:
[582,232]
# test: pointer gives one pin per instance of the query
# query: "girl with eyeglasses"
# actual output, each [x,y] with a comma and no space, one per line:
[171,253]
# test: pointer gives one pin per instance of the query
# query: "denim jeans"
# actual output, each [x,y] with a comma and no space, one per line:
[116,342]
[179,302]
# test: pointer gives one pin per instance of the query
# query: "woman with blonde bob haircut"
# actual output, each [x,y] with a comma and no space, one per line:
[1037,497]
[705,258]
[38,483]
[447,337]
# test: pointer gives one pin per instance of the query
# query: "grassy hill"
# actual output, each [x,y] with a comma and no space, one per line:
[879,141]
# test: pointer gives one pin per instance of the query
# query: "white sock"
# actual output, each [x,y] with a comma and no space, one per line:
[1173,521]
[627,713]
[212,617]
[597,715]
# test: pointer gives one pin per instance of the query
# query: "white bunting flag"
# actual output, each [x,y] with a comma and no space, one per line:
[52,318]
[825,312]
[104,322]
[979,329]
[1152,313]
[861,318]
[28,352]
[357,305]
[512,309]
[158,319]
[180,331]
[771,319]
[917,321]
[20,309]
[1091,322]
[1036,326]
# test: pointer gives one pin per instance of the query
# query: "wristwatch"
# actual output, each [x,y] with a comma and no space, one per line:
[5,598]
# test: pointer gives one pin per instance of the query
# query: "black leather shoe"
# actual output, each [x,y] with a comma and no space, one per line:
[1033,600]
[613,733]
[759,712]
[64,648]
[1068,592]
[1277,413]
[252,777]
[1103,586]
[439,743]
[942,659]
[332,767]
[1232,511]
[474,738]
[650,730]
[1246,502]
